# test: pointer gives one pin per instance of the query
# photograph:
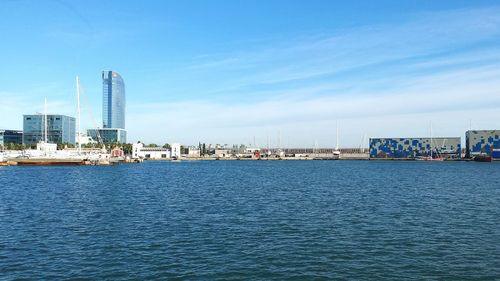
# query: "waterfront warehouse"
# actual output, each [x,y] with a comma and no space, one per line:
[410,148]
[482,142]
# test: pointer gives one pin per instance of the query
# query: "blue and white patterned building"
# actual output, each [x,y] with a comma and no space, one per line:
[409,148]
[482,142]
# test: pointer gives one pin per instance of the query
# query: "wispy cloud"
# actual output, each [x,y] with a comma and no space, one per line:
[350,50]
[383,80]
[452,93]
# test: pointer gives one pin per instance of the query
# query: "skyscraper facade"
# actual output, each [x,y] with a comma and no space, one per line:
[113,104]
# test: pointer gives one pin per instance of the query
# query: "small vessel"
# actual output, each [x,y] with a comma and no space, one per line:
[482,158]
[428,158]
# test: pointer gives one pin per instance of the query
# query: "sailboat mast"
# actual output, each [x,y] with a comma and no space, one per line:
[431,137]
[279,139]
[78,138]
[45,130]
[364,143]
[337,133]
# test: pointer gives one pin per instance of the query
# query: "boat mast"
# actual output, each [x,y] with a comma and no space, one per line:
[279,142]
[337,135]
[46,139]
[364,142]
[431,137]
[78,137]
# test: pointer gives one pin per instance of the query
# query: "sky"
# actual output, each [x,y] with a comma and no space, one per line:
[283,72]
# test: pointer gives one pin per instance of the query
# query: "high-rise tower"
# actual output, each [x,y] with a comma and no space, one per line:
[113,103]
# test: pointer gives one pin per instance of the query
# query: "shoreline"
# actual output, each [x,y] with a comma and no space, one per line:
[79,162]
[299,159]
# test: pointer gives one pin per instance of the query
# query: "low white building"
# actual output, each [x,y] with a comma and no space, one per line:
[193,151]
[222,152]
[140,151]
[46,147]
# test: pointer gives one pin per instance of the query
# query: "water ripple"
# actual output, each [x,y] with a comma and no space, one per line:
[257,220]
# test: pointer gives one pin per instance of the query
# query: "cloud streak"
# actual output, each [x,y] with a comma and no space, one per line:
[424,96]
[384,80]
[321,57]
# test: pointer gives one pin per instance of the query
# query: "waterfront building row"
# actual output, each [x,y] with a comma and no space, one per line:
[61,129]
[477,142]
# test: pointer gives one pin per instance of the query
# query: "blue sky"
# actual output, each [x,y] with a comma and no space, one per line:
[235,71]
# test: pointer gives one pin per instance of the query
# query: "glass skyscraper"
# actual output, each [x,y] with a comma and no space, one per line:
[113,104]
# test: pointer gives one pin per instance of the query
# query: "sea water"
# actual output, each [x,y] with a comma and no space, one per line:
[251,220]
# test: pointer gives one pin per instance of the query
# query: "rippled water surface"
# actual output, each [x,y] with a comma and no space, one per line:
[296,220]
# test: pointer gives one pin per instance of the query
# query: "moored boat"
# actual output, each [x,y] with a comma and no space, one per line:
[428,158]
[49,162]
[482,158]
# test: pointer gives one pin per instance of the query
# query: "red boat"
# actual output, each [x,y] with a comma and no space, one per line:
[482,158]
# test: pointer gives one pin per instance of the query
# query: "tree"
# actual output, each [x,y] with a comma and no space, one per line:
[127,148]
[13,146]
[90,145]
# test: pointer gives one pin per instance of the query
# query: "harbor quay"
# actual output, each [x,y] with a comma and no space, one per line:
[383,149]
[481,145]
[242,152]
